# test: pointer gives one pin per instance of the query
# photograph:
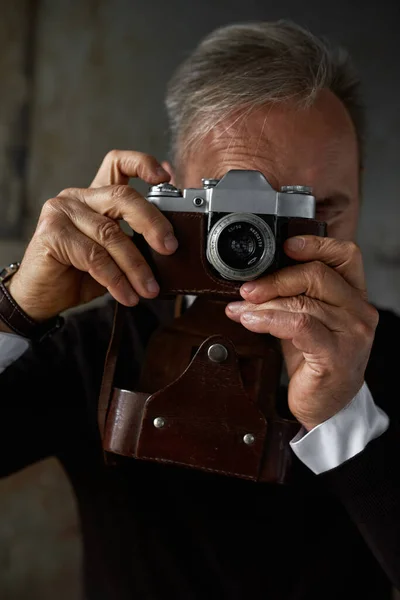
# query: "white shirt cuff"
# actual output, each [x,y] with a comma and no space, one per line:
[12,346]
[342,436]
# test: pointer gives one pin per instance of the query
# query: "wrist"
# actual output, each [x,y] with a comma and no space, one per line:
[30,308]
[311,422]
[324,414]
[14,317]
[310,425]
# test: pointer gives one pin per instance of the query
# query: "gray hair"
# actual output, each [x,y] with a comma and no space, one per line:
[245,66]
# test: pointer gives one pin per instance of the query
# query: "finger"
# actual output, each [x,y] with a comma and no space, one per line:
[123,202]
[76,249]
[108,234]
[333,318]
[343,256]
[314,279]
[306,333]
[119,165]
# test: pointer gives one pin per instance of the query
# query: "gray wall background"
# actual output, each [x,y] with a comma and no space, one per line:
[79,78]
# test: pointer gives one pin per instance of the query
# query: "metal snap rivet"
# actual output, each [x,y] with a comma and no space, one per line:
[159,422]
[249,439]
[217,353]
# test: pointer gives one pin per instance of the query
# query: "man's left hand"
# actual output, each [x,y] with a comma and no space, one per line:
[319,310]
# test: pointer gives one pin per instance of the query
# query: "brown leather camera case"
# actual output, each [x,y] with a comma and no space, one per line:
[214,416]
[188,409]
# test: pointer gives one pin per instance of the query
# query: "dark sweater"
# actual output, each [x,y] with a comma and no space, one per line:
[164,532]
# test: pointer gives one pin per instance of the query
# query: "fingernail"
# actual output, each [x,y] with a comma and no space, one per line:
[152,286]
[249,316]
[170,242]
[295,243]
[234,307]
[249,287]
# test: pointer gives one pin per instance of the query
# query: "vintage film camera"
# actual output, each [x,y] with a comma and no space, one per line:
[208,392]
[230,231]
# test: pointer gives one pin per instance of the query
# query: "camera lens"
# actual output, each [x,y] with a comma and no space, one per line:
[241,246]
[238,244]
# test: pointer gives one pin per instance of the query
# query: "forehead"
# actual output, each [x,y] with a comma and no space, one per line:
[314,146]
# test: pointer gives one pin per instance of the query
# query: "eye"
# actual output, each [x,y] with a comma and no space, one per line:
[328,209]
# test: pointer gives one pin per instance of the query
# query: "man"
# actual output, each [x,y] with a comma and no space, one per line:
[273,98]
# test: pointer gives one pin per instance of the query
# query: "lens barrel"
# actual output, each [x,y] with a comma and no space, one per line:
[241,246]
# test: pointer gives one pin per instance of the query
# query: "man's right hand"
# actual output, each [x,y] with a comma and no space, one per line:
[79,251]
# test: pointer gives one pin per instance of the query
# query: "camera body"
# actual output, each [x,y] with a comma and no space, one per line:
[229,231]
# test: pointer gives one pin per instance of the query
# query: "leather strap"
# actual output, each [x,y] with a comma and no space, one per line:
[18,321]
[110,366]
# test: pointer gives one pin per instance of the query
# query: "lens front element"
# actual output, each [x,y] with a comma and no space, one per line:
[241,246]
